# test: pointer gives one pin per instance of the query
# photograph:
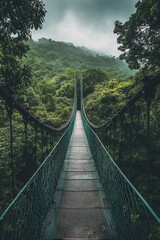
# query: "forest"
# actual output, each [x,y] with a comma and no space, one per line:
[44,86]
[49,97]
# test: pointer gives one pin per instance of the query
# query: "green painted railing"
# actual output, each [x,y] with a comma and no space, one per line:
[133,217]
[25,216]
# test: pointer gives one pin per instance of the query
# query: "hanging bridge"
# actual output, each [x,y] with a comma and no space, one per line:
[78,191]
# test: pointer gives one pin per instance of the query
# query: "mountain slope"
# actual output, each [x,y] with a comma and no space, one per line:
[47,56]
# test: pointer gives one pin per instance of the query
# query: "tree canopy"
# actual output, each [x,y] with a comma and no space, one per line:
[139,37]
[47,57]
[17,19]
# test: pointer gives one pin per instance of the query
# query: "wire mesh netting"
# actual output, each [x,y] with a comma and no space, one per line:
[133,217]
[24,217]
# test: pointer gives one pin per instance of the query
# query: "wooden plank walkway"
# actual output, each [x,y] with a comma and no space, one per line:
[80,210]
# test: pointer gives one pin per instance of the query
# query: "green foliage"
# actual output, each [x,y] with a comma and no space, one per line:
[139,36]
[53,78]
[48,56]
[17,18]
[49,97]
[104,95]
[91,78]
[66,90]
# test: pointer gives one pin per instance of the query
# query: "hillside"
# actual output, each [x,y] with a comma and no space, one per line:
[54,66]
[48,56]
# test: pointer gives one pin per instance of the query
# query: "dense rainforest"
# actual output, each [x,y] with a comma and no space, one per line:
[122,106]
[55,66]
[49,97]
[107,85]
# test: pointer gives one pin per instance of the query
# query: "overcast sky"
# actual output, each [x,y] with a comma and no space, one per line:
[88,23]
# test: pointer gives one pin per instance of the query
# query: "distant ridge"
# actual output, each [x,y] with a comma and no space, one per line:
[59,55]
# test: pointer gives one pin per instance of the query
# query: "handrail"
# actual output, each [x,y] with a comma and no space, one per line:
[35,120]
[30,207]
[133,216]
[131,137]
[120,171]
[32,204]
[30,181]
[29,142]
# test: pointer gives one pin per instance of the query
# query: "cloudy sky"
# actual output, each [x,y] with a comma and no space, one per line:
[88,23]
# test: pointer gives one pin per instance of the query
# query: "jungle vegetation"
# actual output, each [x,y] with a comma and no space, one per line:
[48,95]
[40,76]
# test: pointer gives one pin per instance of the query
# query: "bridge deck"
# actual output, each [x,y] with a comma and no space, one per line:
[80,210]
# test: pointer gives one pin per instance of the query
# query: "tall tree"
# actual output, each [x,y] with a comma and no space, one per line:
[17,19]
[139,37]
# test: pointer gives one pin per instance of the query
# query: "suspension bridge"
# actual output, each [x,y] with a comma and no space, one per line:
[79,191]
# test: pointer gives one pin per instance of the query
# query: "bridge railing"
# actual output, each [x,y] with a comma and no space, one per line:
[131,138]
[24,144]
[133,217]
[24,217]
